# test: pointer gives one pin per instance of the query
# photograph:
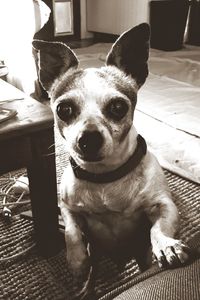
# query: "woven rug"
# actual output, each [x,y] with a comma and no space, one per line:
[24,275]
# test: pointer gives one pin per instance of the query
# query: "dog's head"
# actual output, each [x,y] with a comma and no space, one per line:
[94,108]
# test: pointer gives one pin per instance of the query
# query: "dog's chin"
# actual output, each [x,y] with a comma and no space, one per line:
[90,158]
[84,158]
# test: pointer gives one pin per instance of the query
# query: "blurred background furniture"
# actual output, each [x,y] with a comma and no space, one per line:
[194,24]
[168,21]
[27,140]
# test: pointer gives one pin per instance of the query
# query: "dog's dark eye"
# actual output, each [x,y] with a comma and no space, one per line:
[117,109]
[66,111]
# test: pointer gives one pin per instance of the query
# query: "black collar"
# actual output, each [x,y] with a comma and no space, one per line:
[116,174]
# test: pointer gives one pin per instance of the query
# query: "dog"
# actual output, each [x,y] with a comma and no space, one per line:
[112,181]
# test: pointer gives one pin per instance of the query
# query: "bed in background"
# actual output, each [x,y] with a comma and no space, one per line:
[168,107]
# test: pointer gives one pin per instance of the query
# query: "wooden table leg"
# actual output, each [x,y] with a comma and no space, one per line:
[43,191]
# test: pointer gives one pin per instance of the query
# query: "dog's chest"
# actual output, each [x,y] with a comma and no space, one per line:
[110,210]
[117,197]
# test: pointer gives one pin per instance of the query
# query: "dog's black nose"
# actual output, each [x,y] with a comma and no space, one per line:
[90,142]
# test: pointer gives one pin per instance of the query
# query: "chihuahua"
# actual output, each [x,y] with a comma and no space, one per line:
[111,180]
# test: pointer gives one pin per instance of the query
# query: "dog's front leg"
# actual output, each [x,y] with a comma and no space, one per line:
[164,217]
[77,255]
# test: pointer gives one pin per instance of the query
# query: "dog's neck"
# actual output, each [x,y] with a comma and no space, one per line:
[119,172]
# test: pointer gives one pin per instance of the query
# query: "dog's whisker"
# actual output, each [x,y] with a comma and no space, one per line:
[49,154]
[75,167]
[53,145]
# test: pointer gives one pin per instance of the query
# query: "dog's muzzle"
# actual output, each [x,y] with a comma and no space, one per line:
[90,144]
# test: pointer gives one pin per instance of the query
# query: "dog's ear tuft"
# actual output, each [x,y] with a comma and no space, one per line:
[131,51]
[54,59]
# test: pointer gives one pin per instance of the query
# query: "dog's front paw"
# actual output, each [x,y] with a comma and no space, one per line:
[78,259]
[171,252]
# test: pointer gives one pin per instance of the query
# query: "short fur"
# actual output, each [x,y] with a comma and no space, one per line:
[110,211]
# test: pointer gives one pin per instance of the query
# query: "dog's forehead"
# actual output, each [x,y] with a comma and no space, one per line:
[94,78]
[97,81]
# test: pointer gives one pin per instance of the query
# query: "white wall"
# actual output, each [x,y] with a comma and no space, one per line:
[84,33]
[116,16]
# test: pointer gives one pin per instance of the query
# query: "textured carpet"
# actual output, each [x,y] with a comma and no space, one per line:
[25,275]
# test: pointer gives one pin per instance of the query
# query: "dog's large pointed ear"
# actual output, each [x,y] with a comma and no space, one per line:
[54,59]
[131,51]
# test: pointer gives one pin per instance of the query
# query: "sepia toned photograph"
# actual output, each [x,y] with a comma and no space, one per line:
[100,149]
